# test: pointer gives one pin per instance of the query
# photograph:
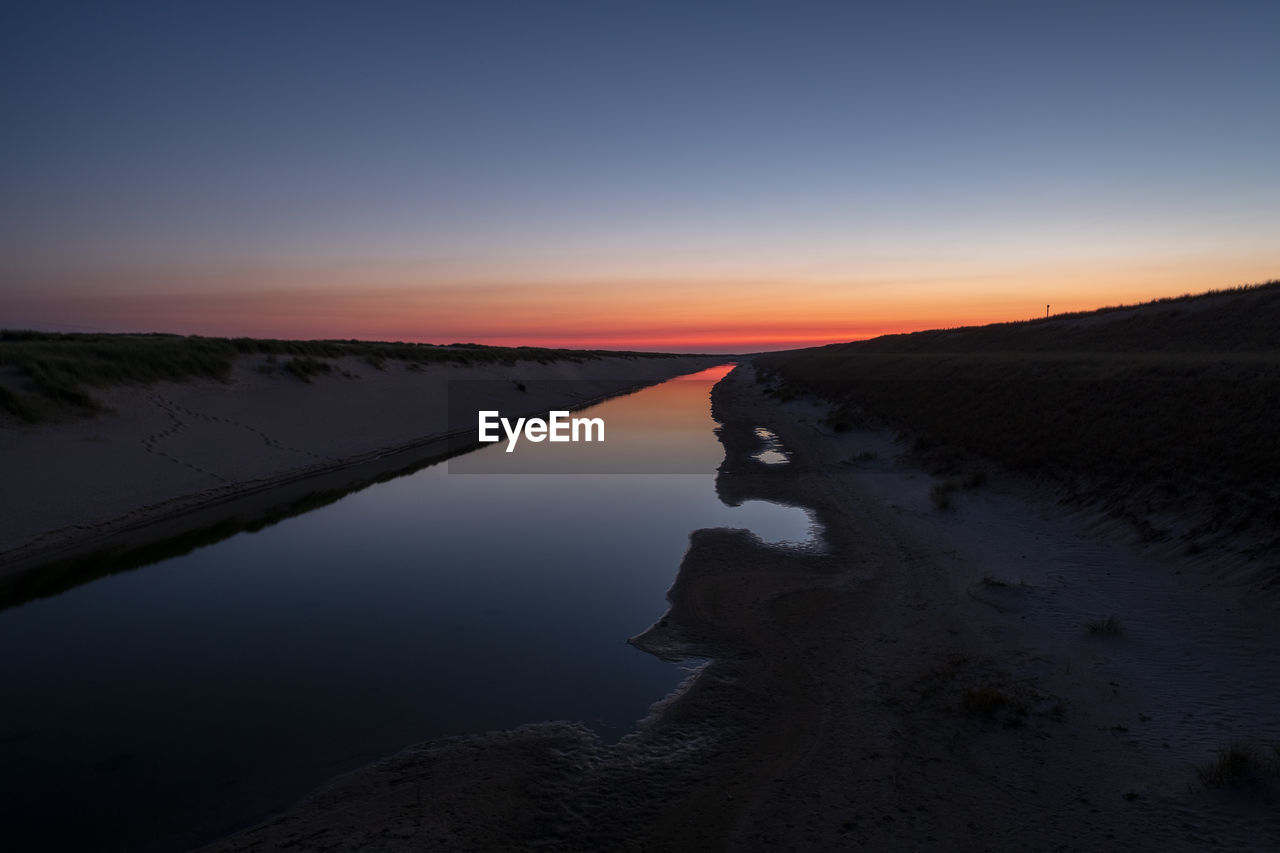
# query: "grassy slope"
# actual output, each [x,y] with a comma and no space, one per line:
[1175,401]
[54,372]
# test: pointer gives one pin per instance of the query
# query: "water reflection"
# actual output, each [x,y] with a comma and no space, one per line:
[181,701]
[664,429]
[773,453]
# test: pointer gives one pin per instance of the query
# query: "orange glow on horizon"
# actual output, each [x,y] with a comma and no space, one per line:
[717,316]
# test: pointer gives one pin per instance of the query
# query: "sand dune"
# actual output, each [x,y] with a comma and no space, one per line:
[174,456]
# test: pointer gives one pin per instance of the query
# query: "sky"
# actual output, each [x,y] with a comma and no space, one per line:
[691,176]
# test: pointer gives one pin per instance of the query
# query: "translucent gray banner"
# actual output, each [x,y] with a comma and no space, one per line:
[582,427]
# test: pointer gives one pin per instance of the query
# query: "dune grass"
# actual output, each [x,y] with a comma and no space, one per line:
[306,367]
[941,492]
[1104,627]
[24,406]
[1239,764]
[1181,395]
[1120,415]
[1237,319]
[46,375]
[59,369]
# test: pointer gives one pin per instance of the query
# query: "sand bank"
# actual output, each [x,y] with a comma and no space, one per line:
[175,457]
[926,681]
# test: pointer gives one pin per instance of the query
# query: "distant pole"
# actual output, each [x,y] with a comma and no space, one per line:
[1046,312]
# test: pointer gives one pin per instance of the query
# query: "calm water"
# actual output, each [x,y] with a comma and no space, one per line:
[173,704]
[773,452]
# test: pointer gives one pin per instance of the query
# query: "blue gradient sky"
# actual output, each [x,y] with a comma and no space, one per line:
[746,175]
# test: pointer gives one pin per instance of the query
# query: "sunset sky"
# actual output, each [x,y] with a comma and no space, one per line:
[645,175]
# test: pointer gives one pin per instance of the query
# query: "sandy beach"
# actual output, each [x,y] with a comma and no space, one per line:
[172,457]
[1005,674]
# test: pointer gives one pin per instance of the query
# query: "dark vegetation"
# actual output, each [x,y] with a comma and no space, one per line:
[306,367]
[985,700]
[1105,627]
[940,493]
[1162,404]
[47,375]
[1238,765]
[974,688]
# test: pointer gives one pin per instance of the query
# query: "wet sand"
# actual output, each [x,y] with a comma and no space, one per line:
[926,680]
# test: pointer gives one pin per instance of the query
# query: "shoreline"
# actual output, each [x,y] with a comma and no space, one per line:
[926,682]
[275,486]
